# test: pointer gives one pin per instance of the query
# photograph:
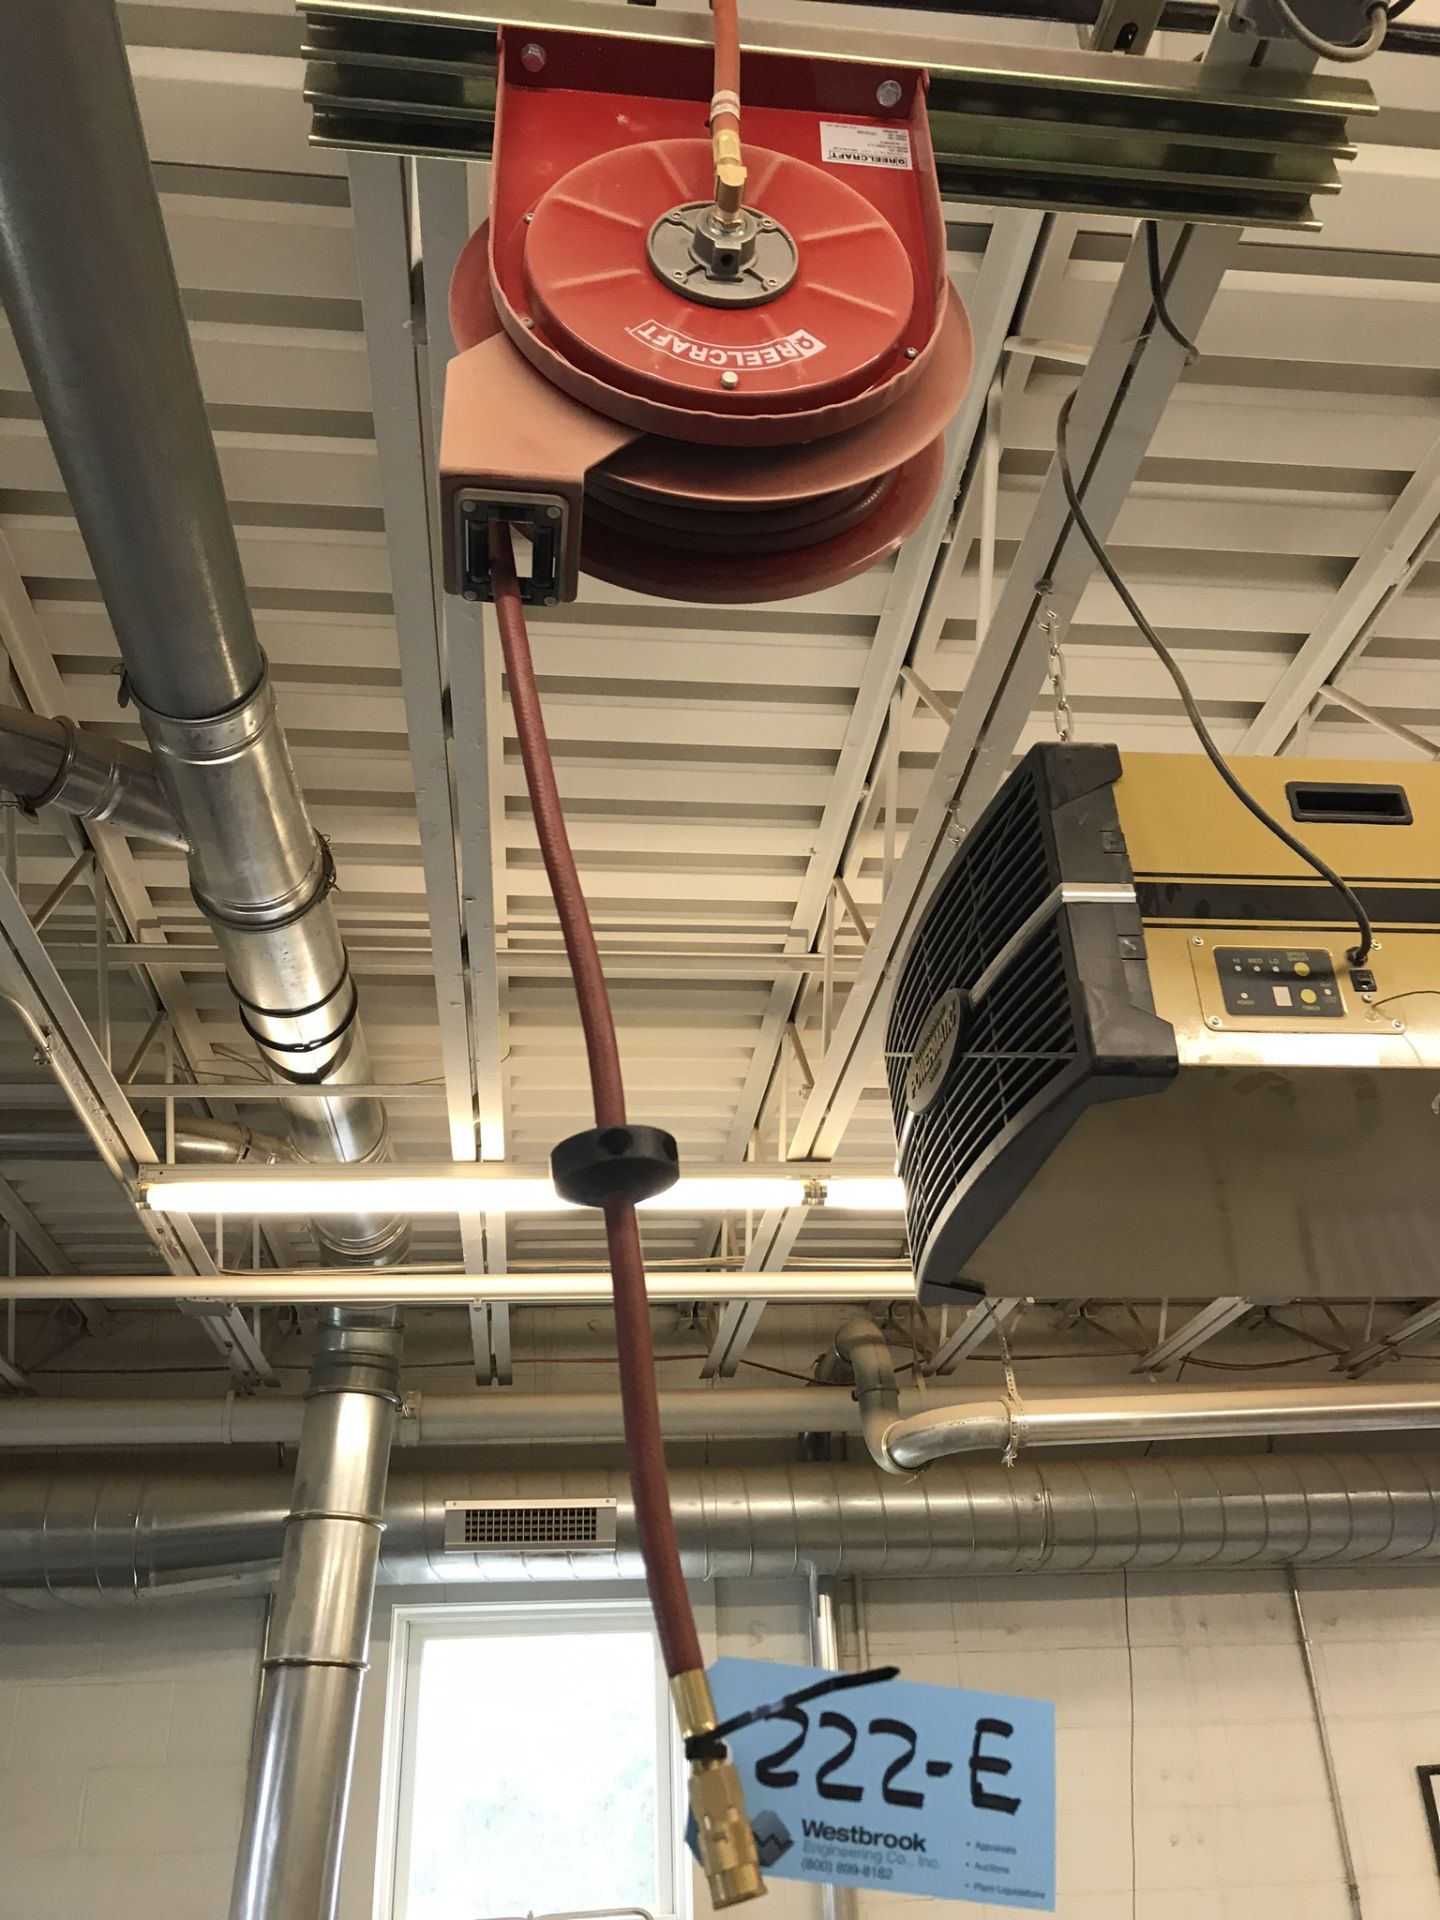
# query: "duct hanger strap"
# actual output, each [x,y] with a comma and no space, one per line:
[297,1514]
[326,1042]
[214,736]
[268,919]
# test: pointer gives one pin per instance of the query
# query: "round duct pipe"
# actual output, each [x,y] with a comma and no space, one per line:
[83,1534]
[913,1431]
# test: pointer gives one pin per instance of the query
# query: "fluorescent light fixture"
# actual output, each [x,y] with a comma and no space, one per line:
[314,1197]
[282,1192]
[864,1196]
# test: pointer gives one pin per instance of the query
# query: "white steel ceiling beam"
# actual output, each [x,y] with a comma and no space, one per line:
[471,662]
[1386,566]
[651,963]
[985,1319]
[380,193]
[1331,695]
[419,1286]
[1364,1359]
[1199,1328]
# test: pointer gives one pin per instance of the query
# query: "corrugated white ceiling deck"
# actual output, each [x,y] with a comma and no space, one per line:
[698,750]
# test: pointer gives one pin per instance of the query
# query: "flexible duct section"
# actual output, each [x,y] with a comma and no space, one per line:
[47,763]
[91,292]
[82,1534]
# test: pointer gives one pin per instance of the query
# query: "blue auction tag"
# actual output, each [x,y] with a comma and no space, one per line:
[913,1788]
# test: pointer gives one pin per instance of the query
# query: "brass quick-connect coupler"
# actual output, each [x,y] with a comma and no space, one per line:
[723,1836]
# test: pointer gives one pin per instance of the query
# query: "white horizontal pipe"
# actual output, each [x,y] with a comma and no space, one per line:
[1255,1413]
[902,1444]
[428,1419]
[916,1438]
[313,1286]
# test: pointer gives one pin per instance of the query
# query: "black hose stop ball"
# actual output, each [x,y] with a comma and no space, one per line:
[615,1163]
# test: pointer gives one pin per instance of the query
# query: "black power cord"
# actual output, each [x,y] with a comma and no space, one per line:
[711,1744]
[1358,954]
[1157,295]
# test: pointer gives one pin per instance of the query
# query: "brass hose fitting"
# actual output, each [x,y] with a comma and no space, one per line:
[729,175]
[726,1844]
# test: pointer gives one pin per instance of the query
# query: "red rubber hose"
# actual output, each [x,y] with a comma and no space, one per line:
[644,1446]
[727,50]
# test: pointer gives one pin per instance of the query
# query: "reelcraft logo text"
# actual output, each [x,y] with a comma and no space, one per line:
[799,345]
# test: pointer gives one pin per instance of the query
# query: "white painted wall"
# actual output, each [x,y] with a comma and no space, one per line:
[123,1739]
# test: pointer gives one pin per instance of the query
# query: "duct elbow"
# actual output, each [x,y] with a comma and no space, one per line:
[980,1426]
[862,1350]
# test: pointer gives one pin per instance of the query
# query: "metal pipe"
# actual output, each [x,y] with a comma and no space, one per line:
[428,1419]
[54,763]
[1201,1418]
[87,1534]
[306,1286]
[87,277]
[228,1143]
[1337,1803]
[199,1142]
[861,1347]
[433,1420]
[86,274]
[318,1639]
[1009,1427]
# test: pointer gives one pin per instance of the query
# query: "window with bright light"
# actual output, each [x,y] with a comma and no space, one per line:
[533,1766]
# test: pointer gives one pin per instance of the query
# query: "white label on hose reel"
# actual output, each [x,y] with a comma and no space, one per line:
[799,345]
[843,146]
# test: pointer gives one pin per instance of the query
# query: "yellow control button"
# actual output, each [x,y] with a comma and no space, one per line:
[1302,967]
[1309,996]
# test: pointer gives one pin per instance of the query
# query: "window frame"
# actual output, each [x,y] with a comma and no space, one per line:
[413,1627]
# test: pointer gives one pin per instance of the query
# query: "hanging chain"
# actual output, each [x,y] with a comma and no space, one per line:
[1064,720]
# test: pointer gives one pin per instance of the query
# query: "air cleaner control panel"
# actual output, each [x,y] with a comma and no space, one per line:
[1295,982]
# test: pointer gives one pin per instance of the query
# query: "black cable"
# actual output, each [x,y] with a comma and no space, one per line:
[711,1745]
[1358,954]
[1398,7]
[1377,14]
[1157,294]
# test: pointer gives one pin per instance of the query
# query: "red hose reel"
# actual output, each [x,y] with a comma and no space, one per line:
[710,410]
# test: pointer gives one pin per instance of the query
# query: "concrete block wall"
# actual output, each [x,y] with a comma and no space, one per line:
[1187,1743]
[123,1741]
